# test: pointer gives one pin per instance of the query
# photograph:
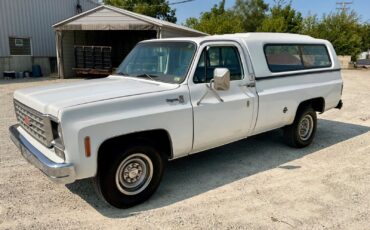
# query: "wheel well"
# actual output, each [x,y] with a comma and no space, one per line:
[318,104]
[159,138]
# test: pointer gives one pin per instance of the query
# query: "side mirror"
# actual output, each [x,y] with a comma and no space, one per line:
[221,79]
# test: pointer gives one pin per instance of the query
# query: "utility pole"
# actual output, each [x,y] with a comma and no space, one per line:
[343,5]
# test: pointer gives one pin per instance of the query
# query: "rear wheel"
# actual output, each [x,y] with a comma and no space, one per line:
[301,133]
[129,177]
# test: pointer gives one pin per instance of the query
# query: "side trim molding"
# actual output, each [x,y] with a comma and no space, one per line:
[296,74]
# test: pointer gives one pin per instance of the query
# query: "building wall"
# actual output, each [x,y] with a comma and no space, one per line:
[15,63]
[4,65]
[24,63]
[34,19]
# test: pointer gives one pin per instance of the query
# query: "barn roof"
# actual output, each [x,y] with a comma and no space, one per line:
[106,17]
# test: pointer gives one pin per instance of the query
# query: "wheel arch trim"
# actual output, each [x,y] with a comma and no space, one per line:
[137,135]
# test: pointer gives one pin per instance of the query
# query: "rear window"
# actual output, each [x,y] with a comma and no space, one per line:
[290,57]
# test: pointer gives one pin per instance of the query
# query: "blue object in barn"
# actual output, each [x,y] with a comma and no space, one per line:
[36,71]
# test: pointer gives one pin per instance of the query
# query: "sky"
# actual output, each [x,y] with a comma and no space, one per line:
[193,9]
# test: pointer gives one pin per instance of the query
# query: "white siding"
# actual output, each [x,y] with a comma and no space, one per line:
[34,19]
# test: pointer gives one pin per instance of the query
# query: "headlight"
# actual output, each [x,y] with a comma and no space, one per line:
[58,140]
[57,132]
[60,135]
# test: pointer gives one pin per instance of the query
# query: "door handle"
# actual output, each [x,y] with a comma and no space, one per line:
[179,99]
[249,85]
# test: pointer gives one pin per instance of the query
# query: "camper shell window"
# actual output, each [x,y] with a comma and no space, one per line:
[292,57]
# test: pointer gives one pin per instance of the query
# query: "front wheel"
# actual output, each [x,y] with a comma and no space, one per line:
[130,177]
[301,133]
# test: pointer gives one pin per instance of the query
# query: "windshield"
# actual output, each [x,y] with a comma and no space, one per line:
[159,61]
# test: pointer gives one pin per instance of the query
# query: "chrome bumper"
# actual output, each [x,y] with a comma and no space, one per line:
[63,173]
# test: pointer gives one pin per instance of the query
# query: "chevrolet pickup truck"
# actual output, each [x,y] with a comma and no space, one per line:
[171,98]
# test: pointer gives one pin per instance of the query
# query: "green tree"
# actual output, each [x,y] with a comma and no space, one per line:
[342,29]
[217,21]
[365,35]
[282,18]
[310,25]
[251,12]
[154,8]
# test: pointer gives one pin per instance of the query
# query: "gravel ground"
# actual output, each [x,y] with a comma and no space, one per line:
[258,183]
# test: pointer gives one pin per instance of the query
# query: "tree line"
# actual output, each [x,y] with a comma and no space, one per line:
[342,28]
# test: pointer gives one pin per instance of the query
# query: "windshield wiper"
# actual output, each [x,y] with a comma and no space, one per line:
[122,74]
[151,77]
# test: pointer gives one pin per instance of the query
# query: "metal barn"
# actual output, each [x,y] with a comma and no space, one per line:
[107,26]
[26,33]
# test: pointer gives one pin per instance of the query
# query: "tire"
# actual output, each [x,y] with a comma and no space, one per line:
[302,132]
[130,177]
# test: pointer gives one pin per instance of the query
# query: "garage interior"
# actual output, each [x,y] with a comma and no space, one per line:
[113,38]
[105,26]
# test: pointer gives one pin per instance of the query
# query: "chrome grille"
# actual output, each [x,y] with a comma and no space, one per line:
[34,122]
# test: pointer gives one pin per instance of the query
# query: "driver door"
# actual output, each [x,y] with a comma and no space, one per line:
[215,122]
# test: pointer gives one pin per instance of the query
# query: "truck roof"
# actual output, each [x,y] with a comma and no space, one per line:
[261,37]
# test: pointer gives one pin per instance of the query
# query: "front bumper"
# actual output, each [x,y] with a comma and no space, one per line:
[63,173]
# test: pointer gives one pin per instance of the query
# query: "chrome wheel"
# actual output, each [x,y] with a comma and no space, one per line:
[134,174]
[305,127]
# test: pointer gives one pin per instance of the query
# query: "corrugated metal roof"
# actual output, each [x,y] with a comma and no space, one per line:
[110,18]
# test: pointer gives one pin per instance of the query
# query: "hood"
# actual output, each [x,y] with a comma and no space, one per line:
[50,99]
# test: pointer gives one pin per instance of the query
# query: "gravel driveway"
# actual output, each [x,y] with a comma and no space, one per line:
[258,183]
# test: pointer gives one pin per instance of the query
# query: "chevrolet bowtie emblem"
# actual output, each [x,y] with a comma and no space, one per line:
[27,120]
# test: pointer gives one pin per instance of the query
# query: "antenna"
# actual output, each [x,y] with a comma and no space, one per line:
[343,5]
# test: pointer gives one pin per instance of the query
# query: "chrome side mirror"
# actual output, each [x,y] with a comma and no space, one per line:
[221,79]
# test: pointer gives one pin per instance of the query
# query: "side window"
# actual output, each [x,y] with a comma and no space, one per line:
[283,58]
[231,60]
[214,56]
[288,57]
[315,56]
[218,57]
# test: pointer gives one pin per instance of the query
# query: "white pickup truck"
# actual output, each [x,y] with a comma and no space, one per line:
[174,97]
